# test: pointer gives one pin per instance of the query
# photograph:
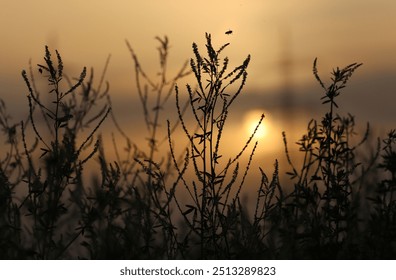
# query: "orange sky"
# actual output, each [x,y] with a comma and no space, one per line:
[338,32]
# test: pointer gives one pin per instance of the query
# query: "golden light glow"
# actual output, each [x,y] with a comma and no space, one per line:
[251,121]
[268,134]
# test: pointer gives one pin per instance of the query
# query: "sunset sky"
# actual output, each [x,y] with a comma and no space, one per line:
[338,32]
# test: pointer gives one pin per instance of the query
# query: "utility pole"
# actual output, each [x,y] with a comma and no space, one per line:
[286,72]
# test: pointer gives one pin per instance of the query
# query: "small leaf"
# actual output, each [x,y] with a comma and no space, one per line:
[190,209]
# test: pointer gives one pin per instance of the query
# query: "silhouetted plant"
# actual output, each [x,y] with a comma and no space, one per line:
[61,161]
[154,96]
[136,195]
[11,175]
[215,209]
[382,225]
[322,210]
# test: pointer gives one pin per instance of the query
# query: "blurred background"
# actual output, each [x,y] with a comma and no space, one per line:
[282,37]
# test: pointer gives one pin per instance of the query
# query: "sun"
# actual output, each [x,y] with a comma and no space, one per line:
[251,120]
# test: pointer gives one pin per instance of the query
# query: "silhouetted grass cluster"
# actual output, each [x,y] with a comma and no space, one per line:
[186,204]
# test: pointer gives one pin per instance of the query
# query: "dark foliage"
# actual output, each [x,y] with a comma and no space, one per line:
[187,204]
